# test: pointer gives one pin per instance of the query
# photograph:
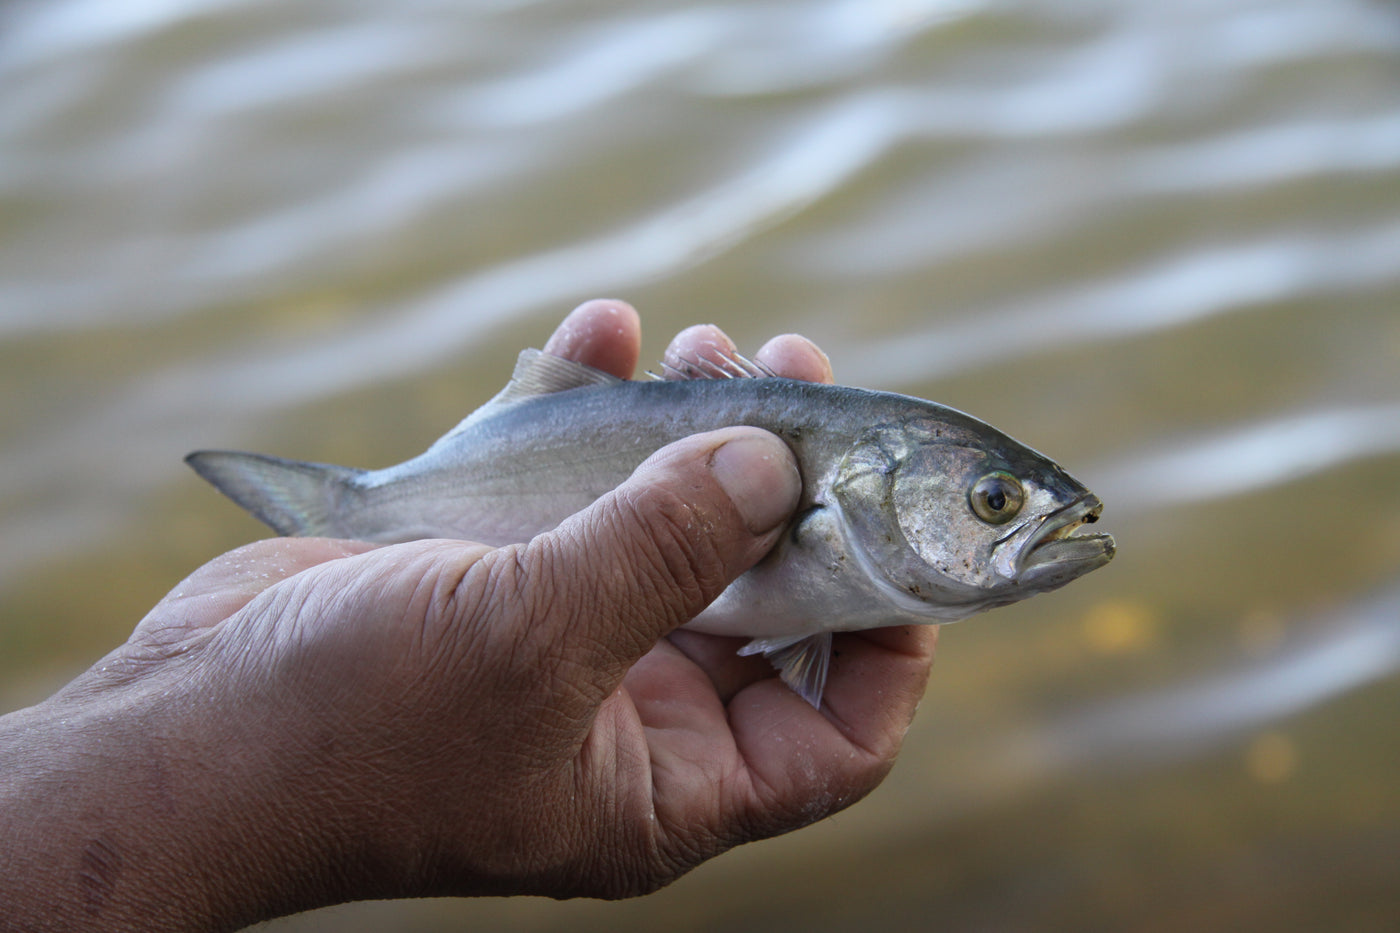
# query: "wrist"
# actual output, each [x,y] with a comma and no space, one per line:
[117,815]
[82,825]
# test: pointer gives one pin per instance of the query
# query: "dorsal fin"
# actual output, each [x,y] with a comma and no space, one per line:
[536,373]
[715,364]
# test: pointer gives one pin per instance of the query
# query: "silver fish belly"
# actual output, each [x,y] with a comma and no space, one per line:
[911,512]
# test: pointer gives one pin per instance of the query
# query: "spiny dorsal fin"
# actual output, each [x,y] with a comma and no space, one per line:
[715,364]
[536,373]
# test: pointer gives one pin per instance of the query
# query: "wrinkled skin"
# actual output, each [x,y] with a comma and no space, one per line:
[308,721]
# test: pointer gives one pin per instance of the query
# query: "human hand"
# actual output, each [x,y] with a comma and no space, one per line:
[307,721]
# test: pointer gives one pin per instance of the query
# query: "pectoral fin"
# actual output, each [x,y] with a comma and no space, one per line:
[801,660]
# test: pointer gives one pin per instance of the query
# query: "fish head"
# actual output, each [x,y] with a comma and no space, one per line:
[949,516]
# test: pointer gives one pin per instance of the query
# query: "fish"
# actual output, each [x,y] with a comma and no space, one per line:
[910,511]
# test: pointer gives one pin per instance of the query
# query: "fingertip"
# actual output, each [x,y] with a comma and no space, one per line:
[756,471]
[759,474]
[795,357]
[604,333]
[695,343]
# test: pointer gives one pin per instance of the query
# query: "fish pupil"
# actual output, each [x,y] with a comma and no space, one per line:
[996,498]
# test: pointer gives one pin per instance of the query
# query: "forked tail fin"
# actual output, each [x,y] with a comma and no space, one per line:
[292,496]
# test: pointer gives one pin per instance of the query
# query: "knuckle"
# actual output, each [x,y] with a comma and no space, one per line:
[536,632]
[637,867]
[486,642]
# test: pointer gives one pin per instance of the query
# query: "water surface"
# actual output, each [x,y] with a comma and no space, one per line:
[1160,242]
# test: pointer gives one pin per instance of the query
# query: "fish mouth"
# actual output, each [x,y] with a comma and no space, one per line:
[1058,551]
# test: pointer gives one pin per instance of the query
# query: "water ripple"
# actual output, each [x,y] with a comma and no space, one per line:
[76,27]
[284,74]
[1249,459]
[1353,648]
[138,429]
[803,167]
[1173,292]
[596,67]
[1270,155]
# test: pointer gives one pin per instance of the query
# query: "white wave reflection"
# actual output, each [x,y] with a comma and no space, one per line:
[55,29]
[1263,35]
[897,237]
[597,67]
[311,231]
[1250,459]
[805,166]
[1270,155]
[768,50]
[1175,292]
[1359,646]
[285,73]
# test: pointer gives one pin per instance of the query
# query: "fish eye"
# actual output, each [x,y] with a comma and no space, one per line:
[997,498]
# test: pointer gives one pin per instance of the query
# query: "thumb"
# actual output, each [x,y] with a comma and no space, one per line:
[649,556]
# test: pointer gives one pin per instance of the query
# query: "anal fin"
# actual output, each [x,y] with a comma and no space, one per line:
[802,661]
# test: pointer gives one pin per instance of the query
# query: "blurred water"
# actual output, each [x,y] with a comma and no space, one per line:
[1160,242]
[1360,647]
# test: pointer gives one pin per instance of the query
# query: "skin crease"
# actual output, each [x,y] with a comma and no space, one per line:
[306,721]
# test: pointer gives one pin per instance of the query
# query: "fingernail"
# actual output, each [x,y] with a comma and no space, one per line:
[760,476]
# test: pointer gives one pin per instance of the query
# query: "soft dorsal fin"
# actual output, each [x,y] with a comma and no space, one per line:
[540,373]
[536,373]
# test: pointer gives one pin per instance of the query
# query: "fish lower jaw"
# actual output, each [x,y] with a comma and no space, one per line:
[1062,558]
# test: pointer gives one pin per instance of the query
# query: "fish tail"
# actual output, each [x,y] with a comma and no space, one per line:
[293,497]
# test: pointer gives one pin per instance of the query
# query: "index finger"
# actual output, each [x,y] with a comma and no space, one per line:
[230,581]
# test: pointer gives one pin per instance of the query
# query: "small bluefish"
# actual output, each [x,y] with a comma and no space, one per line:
[910,512]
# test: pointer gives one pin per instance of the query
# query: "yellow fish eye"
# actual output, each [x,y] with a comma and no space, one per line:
[997,498]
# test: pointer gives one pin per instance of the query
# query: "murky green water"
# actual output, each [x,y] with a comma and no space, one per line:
[1159,241]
